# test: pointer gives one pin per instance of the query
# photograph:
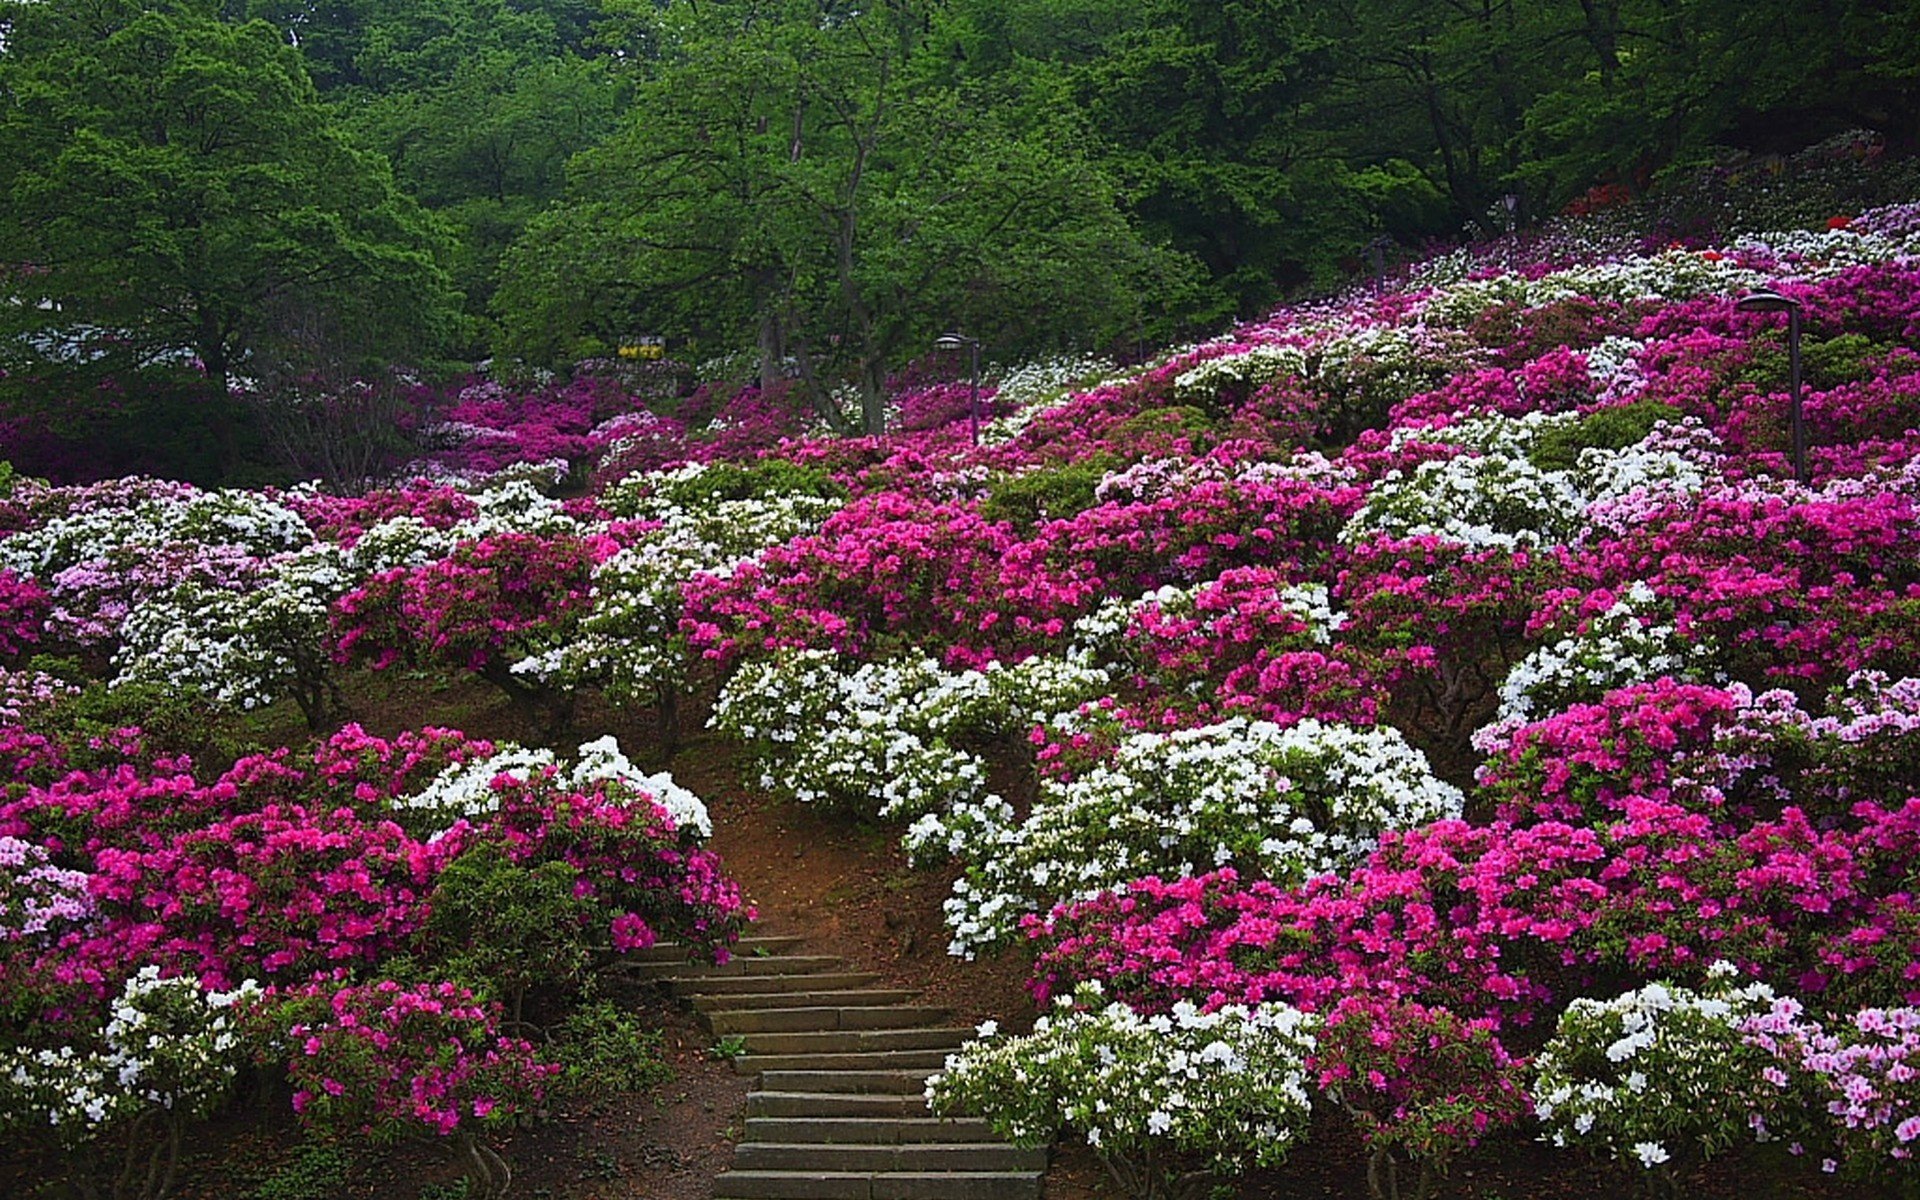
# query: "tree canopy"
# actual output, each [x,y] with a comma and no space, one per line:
[817,187]
[174,187]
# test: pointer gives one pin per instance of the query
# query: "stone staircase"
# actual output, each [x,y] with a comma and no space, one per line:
[839,1111]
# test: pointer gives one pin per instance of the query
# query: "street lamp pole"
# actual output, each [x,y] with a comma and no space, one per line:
[1767,300]
[960,341]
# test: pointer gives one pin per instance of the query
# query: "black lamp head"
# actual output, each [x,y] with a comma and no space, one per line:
[1766,300]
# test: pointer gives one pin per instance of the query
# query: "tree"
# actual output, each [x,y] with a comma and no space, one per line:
[173,188]
[805,175]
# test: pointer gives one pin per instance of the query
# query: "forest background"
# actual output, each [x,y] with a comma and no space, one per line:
[211,213]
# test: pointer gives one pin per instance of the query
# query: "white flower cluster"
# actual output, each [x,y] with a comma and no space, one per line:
[878,739]
[1654,1071]
[515,505]
[1034,387]
[1633,641]
[1494,496]
[465,790]
[1821,253]
[1288,803]
[403,541]
[168,1044]
[1614,366]
[630,642]
[1247,368]
[240,649]
[1670,275]
[1477,500]
[244,520]
[1100,636]
[1226,1088]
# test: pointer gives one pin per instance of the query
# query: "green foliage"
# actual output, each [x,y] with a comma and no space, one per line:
[1825,363]
[824,190]
[729,1046]
[604,1049]
[1050,493]
[182,194]
[1158,426]
[6,478]
[1559,447]
[484,143]
[171,719]
[313,1170]
[506,928]
[759,480]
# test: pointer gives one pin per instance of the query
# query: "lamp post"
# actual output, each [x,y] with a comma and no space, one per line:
[1376,252]
[951,342]
[1767,300]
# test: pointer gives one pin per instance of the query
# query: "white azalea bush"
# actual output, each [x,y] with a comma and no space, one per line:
[403,541]
[1489,496]
[246,521]
[167,1055]
[242,649]
[1658,1072]
[1172,1103]
[1286,803]
[1633,641]
[630,643]
[879,739]
[1246,369]
[466,791]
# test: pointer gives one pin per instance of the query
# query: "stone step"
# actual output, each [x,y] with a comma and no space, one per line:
[758,985]
[802,1020]
[719,1002]
[840,1130]
[894,1185]
[746,946]
[875,1106]
[771,964]
[858,1040]
[896,1081]
[844,1060]
[921,1156]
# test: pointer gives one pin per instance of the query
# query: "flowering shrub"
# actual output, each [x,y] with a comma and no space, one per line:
[1624,642]
[631,642]
[118,1104]
[1290,803]
[1657,1072]
[480,609]
[1860,1076]
[23,608]
[1171,1103]
[388,1062]
[1422,1083]
[882,739]
[35,895]
[243,649]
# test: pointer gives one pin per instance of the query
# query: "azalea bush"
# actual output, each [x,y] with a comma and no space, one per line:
[117,1100]
[1423,1084]
[1171,1104]
[1288,803]
[389,1062]
[1660,1074]
[480,609]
